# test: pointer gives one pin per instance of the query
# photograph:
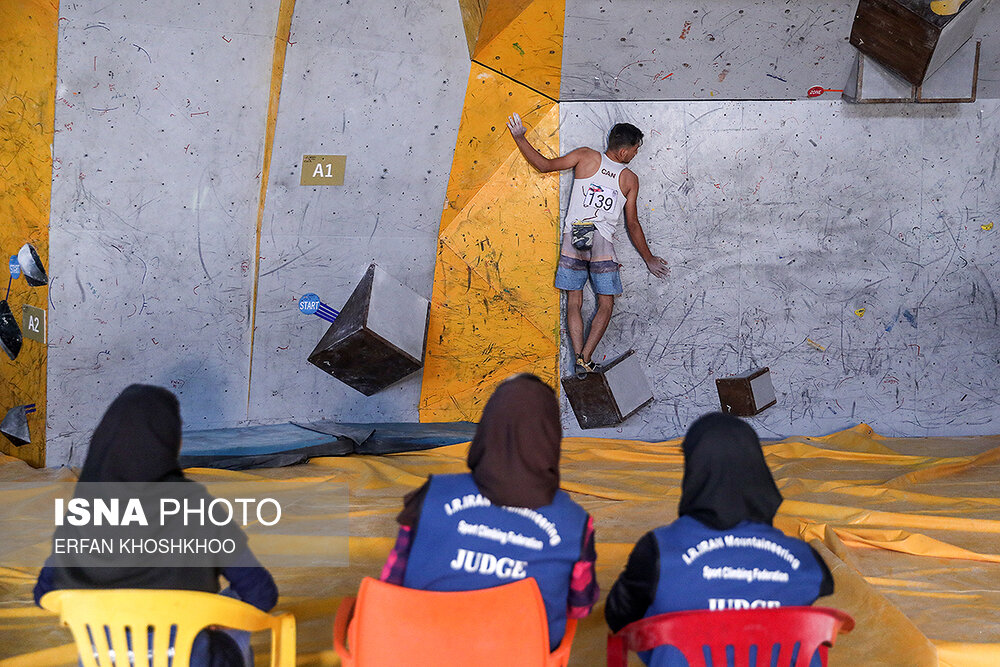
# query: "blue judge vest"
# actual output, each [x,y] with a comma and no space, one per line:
[750,566]
[463,542]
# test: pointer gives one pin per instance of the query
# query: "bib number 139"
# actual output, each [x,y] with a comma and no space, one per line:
[596,197]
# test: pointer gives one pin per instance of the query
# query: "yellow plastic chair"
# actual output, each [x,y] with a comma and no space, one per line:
[405,627]
[94,615]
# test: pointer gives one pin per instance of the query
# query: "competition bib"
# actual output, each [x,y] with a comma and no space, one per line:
[598,198]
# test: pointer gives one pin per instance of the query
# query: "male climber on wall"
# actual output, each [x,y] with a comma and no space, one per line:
[602,188]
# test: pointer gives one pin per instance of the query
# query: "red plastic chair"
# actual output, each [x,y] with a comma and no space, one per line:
[694,633]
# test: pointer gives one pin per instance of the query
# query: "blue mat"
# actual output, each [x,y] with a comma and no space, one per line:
[276,445]
[396,437]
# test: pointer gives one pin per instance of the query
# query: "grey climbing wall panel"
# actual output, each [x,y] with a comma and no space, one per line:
[851,249]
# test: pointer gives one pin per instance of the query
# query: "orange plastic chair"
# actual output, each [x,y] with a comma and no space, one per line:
[703,636]
[102,620]
[392,625]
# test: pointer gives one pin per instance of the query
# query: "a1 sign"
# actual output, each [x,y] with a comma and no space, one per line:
[15,267]
[323,169]
[33,323]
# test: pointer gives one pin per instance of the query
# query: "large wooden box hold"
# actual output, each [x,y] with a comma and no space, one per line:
[378,337]
[908,38]
[748,394]
[609,396]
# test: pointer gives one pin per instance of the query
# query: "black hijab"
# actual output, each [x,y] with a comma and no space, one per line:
[137,440]
[726,479]
[514,455]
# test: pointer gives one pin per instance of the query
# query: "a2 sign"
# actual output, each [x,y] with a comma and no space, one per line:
[33,323]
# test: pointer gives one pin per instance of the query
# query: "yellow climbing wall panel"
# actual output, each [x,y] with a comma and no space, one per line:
[494,311]
[28,38]
[472,18]
[498,15]
[523,39]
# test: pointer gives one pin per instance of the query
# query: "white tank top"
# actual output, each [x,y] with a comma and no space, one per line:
[597,199]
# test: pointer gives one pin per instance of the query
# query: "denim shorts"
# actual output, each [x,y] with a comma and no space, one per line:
[598,265]
[609,282]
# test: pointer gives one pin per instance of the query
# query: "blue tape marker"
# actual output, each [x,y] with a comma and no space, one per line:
[15,267]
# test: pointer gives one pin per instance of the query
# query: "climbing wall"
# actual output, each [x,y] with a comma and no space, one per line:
[382,86]
[27,102]
[181,235]
[494,311]
[851,249]
[161,112]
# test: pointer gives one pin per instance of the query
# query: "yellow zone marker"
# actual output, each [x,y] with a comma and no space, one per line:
[813,343]
[860,312]
[946,7]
